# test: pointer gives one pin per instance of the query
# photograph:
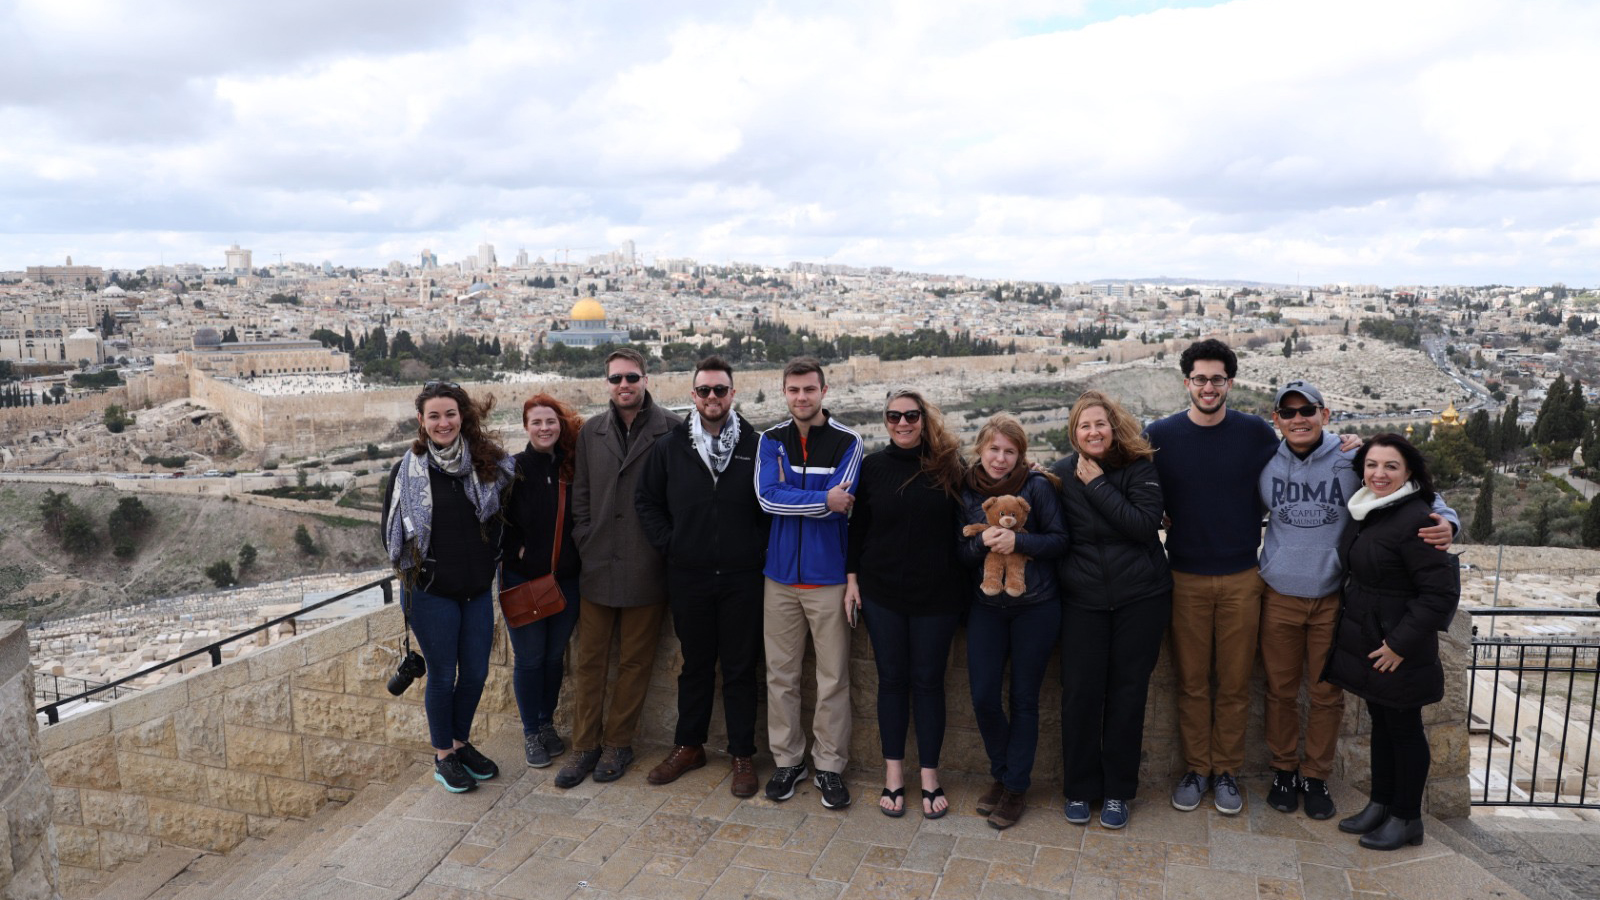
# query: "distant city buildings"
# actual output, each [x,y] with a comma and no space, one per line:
[238,261]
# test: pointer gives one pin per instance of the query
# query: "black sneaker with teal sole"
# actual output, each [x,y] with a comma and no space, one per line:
[450,773]
[477,765]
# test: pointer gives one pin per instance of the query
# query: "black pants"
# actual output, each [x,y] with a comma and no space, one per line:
[911,653]
[718,621]
[1400,759]
[1106,660]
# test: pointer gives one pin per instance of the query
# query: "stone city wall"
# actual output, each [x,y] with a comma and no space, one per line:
[19,420]
[229,751]
[27,851]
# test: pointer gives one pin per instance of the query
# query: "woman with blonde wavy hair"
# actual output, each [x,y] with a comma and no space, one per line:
[1117,597]
[902,575]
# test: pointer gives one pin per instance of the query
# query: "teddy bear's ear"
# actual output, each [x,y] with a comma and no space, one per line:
[1026,508]
[989,502]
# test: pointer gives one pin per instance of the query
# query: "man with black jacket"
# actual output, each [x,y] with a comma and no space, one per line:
[697,504]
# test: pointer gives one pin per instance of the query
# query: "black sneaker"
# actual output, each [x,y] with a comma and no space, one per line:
[534,751]
[1319,803]
[553,744]
[834,794]
[1285,793]
[450,773]
[781,785]
[477,765]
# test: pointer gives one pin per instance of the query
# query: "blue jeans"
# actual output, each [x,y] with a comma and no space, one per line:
[454,636]
[1024,635]
[538,650]
[911,652]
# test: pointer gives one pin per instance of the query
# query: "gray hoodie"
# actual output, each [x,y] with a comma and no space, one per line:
[1305,501]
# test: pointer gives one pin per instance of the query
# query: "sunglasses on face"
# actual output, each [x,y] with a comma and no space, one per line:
[1289,412]
[705,390]
[435,385]
[912,416]
[629,377]
[1214,381]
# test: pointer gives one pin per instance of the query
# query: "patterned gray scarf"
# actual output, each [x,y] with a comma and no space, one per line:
[411,499]
[715,452]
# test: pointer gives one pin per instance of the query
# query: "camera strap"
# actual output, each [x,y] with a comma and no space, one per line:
[405,616]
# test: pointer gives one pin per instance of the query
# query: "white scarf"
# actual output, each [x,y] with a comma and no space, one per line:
[717,451]
[1365,501]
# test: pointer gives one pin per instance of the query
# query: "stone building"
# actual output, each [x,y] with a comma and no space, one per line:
[588,327]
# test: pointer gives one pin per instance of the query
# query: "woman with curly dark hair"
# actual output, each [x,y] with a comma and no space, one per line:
[441,528]
[537,510]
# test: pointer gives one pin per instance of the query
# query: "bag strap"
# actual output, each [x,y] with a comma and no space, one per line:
[561,519]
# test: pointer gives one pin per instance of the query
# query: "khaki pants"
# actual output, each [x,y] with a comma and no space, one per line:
[788,614]
[1215,619]
[640,630]
[1296,633]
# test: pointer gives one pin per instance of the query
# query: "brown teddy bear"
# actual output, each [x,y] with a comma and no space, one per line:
[1003,571]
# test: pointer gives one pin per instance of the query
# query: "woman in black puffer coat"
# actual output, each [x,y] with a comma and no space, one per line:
[1117,599]
[1399,594]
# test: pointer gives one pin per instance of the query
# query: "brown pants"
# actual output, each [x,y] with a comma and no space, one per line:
[1296,633]
[1215,620]
[640,630]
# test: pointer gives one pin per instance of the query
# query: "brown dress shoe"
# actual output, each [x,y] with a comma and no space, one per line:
[680,760]
[987,802]
[1008,810]
[744,777]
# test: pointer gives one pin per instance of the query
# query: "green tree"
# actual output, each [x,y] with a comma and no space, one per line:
[1288,348]
[53,509]
[1483,514]
[247,557]
[302,539]
[116,419]
[221,573]
[1590,533]
[130,519]
[77,532]
[1451,456]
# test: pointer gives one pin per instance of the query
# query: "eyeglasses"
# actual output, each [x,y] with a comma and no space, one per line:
[912,416]
[1289,412]
[1214,381]
[436,385]
[629,377]
[705,390]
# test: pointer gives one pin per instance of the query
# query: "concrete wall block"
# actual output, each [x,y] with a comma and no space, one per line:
[77,846]
[200,733]
[193,825]
[276,661]
[117,848]
[19,741]
[27,813]
[158,776]
[335,639]
[156,737]
[350,764]
[115,811]
[154,703]
[68,805]
[367,670]
[385,622]
[217,680]
[90,764]
[74,731]
[264,752]
[498,695]
[294,799]
[326,675]
[339,715]
[264,704]
[406,726]
[244,792]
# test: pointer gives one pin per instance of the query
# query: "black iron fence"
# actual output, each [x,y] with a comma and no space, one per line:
[1531,697]
[52,710]
[57,687]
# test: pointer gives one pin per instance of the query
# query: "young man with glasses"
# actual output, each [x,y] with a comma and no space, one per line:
[697,504]
[804,472]
[1304,488]
[623,576]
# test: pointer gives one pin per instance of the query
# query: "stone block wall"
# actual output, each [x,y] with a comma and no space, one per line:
[27,849]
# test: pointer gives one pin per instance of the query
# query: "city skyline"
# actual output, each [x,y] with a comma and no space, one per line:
[1288,143]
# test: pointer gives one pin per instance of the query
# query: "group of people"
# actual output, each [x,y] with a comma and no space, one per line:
[757,541]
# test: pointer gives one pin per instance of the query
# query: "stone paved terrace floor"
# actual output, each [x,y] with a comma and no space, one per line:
[520,837]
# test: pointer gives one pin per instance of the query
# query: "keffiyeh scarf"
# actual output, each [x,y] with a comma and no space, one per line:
[410,524]
[715,452]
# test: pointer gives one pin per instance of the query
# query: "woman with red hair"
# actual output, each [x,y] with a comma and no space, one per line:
[544,468]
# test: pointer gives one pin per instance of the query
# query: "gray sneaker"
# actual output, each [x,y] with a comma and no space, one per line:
[1225,793]
[552,742]
[1190,791]
[534,750]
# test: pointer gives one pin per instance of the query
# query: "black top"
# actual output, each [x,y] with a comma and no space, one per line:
[701,524]
[903,532]
[531,521]
[462,552]
[1115,522]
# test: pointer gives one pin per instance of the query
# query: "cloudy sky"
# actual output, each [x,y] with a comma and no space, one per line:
[1386,141]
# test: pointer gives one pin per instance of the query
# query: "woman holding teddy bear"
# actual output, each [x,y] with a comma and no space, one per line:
[1008,621]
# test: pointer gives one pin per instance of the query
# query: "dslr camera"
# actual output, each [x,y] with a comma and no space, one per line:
[412,666]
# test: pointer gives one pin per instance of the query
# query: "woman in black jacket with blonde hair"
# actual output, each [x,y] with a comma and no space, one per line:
[1117,598]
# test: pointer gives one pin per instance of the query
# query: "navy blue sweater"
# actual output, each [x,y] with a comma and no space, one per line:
[1208,476]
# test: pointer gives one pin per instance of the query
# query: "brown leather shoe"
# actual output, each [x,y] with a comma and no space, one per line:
[680,760]
[990,798]
[1008,810]
[744,777]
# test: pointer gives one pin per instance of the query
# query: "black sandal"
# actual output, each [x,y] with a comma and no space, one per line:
[928,797]
[899,794]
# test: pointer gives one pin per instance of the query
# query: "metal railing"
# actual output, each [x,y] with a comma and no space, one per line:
[51,686]
[1533,697]
[51,711]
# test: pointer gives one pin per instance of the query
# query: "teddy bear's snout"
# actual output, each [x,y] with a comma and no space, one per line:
[1008,521]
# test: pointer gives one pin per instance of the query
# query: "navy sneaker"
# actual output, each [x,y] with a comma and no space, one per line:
[1077,812]
[477,765]
[1114,814]
[450,773]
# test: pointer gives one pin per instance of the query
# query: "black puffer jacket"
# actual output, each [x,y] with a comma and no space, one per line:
[1399,590]
[1044,542]
[1115,521]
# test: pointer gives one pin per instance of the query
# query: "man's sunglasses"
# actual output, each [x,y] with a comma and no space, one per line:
[1289,412]
[705,390]
[912,416]
[629,377]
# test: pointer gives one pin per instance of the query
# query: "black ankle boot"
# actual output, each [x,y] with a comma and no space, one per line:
[1367,820]
[1393,834]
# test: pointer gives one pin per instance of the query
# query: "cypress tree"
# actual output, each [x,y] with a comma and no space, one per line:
[1483,515]
[1590,532]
